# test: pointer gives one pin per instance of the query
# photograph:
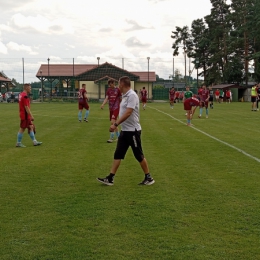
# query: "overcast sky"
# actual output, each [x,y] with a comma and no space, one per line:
[87,29]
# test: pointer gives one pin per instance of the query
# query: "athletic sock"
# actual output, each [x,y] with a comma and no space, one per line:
[80,115]
[111,136]
[111,176]
[201,109]
[207,111]
[117,134]
[188,121]
[147,176]
[31,134]
[19,137]
[86,114]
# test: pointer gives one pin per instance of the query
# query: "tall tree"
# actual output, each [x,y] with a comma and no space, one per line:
[182,39]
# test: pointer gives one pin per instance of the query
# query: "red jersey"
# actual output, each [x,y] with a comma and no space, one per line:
[190,102]
[114,98]
[228,93]
[177,94]
[204,94]
[143,93]
[24,101]
[81,96]
[172,93]
[217,93]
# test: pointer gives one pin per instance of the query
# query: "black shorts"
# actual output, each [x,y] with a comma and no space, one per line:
[253,99]
[210,98]
[126,139]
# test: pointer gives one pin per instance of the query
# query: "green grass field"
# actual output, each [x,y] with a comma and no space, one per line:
[204,203]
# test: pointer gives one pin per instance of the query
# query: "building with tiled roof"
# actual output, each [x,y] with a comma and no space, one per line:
[72,76]
[5,83]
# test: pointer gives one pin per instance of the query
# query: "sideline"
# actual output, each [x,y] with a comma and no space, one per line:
[212,137]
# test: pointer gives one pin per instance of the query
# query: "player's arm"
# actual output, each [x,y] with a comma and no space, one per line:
[85,96]
[29,112]
[104,102]
[119,121]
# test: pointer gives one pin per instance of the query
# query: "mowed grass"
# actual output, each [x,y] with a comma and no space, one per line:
[203,205]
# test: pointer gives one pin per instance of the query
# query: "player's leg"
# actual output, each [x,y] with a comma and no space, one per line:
[20,136]
[87,112]
[80,113]
[31,132]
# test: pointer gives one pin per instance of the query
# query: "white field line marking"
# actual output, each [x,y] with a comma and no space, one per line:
[216,139]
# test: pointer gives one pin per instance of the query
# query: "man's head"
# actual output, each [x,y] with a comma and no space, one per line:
[204,86]
[124,84]
[27,88]
[143,87]
[84,86]
[187,88]
[111,83]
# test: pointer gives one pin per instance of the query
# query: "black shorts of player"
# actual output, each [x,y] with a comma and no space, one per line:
[126,139]
[210,98]
[253,99]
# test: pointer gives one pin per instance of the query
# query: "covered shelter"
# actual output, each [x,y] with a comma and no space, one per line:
[5,83]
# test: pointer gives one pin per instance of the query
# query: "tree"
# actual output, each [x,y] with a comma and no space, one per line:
[182,39]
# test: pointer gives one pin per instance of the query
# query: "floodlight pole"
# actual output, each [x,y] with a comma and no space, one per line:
[41,85]
[99,88]
[148,59]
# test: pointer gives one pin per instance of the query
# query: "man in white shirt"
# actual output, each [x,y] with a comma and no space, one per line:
[130,134]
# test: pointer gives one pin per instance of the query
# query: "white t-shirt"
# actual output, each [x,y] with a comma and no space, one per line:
[130,100]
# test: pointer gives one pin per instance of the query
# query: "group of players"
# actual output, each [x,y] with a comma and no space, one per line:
[191,101]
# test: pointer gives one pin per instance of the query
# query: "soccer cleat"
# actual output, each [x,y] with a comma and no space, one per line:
[109,141]
[147,181]
[106,181]
[36,143]
[85,120]
[207,116]
[79,121]
[20,145]
[199,116]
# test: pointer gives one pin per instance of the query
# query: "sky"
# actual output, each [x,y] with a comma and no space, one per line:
[121,32]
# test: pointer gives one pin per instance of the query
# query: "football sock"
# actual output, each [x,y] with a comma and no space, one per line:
[111,135]
[32,136]
[86,114]
[201,109]
[188,121]
[147,175]
[207,111]
[19,137]
[117,134]
[111,176]
[80,115]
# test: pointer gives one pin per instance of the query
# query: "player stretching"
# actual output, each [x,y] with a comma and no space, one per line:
[26,117]
[113,96]
[83,103]
[188,104]
[144,97]
[204,98]
[172,97]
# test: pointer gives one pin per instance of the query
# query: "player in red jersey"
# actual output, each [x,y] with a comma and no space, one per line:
[228,94]
[204,98]
[177,95]
[143,97]
[26,117]
[217,93]
[172,97]
[83,103]
[113,96]
[188,104]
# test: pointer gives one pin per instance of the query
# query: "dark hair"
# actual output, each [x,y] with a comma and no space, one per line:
[110,81]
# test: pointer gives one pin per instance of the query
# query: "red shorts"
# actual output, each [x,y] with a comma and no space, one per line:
[187,105]
[83,105]
[114,114]
[144,99]
[172,99]
[27,123]
[204,104]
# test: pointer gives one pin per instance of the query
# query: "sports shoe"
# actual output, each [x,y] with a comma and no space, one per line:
[106,181]
[36,143]
[147,181]
[199,116]
[85,120]
[79,121]
[110,141]
[207,116]
[20,145]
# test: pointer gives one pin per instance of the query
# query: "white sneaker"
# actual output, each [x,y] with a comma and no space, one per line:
[207,116]
[109,141]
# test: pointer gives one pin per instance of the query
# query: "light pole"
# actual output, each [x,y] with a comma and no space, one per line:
[99,88]
[49,74]
[197,66]
[41,85]
[148,59]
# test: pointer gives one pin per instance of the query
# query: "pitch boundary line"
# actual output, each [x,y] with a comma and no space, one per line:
[212,137]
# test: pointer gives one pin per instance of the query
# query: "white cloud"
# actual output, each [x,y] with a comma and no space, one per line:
[42,24]
[21,48]
[3,48]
